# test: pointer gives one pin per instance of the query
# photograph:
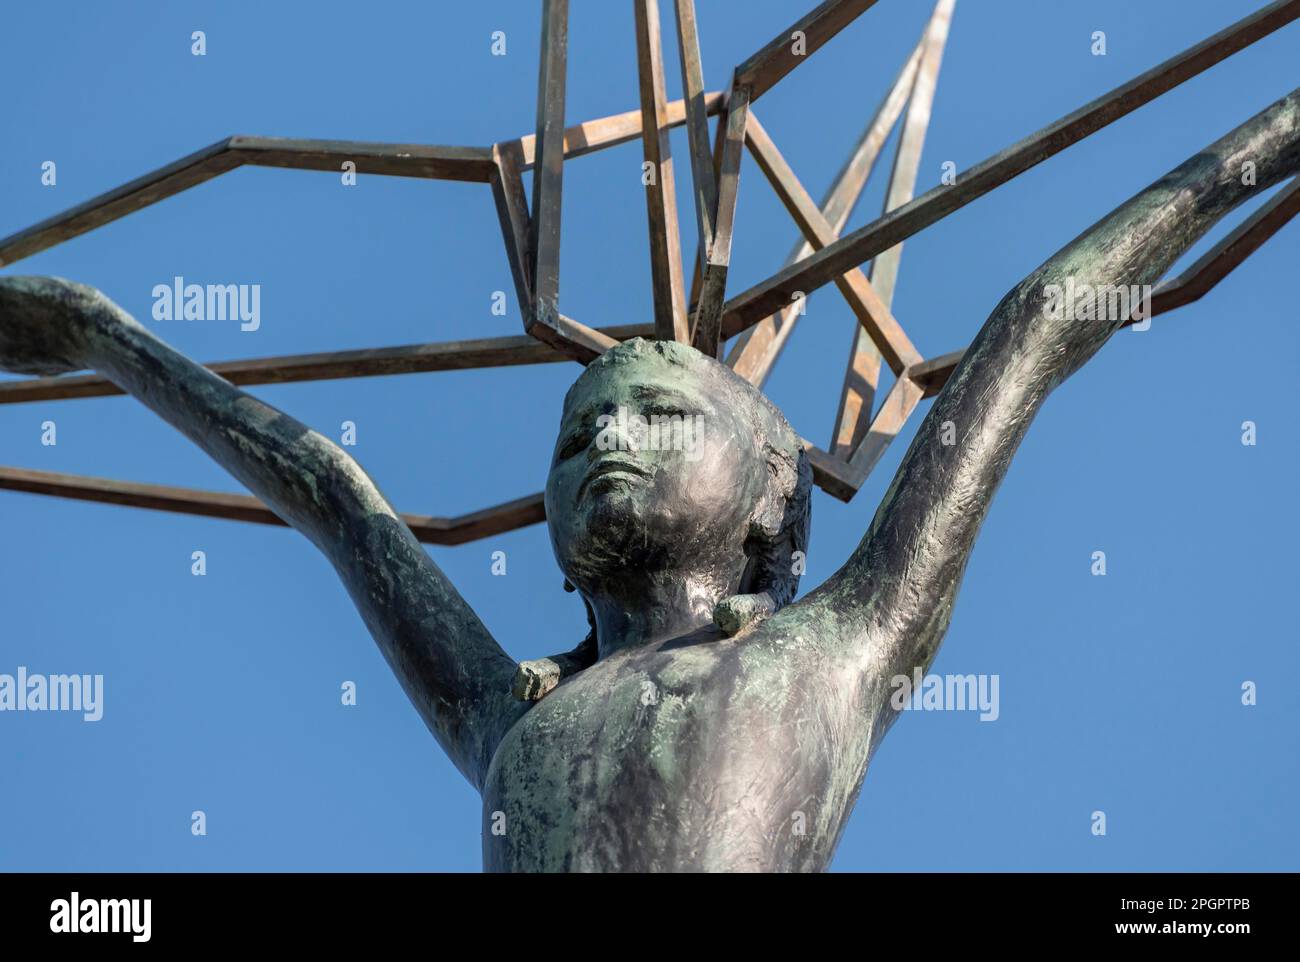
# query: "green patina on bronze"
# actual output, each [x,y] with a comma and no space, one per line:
[670,744]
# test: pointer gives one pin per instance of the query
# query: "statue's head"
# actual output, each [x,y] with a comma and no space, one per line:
[670,466]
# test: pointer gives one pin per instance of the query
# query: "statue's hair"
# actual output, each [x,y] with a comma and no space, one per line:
[780,526]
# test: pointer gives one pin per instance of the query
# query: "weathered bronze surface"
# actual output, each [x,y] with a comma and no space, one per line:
[680,747]
[707,721]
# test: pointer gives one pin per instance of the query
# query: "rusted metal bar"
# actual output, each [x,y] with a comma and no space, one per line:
[1199,279]
[548,174]
[896,408]
[755,351]
[853,419]
[1190,286]
[669,286]
[575,340]
[516,230]
[400,160]
[706,329]
[243,507]
[812,272]
[697,121]
[803,38]
[603,132]
[332,365]
[869,308]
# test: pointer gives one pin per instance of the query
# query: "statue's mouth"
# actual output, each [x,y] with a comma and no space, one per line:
[611,470]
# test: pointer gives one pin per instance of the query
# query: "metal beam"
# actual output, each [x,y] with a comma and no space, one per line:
[244,507]
[516,227]
[1190,286]
[1199,279]
[853,420]
[803,38]
[754,353]
[897,407]
[669,286]
[577,341]
[707,326]
[765,298]
[868,307]
[593,135]
[697,121]
[548,174]
[400,160]
[332,365]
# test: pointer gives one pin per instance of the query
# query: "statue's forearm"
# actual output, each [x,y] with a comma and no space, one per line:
[448,663]
[901,582]
[304,477]
[50,326]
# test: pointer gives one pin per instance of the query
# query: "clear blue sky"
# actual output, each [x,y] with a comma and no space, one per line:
[1119,694]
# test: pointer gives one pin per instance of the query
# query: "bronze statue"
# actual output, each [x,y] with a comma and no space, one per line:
[717,725]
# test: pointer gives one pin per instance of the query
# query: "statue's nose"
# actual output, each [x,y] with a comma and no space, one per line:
[624,431]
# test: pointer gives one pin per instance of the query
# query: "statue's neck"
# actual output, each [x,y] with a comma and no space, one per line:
[655,610]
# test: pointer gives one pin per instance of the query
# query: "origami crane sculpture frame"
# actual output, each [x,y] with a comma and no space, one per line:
[750,329]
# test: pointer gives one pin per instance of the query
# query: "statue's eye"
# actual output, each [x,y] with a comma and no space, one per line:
[664,410]
[574,444]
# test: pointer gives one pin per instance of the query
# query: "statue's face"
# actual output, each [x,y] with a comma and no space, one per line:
[656,468]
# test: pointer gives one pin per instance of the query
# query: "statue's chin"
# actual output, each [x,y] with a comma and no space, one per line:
[617,527]
[616,499]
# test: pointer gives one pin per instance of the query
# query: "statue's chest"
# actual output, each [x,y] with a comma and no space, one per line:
[658,760]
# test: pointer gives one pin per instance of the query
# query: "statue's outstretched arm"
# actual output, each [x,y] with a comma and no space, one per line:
[450,666]
[894,596]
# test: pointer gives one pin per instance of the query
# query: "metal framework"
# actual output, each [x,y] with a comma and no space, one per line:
[757,321]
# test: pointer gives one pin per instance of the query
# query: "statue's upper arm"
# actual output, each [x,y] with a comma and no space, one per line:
[457,675]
